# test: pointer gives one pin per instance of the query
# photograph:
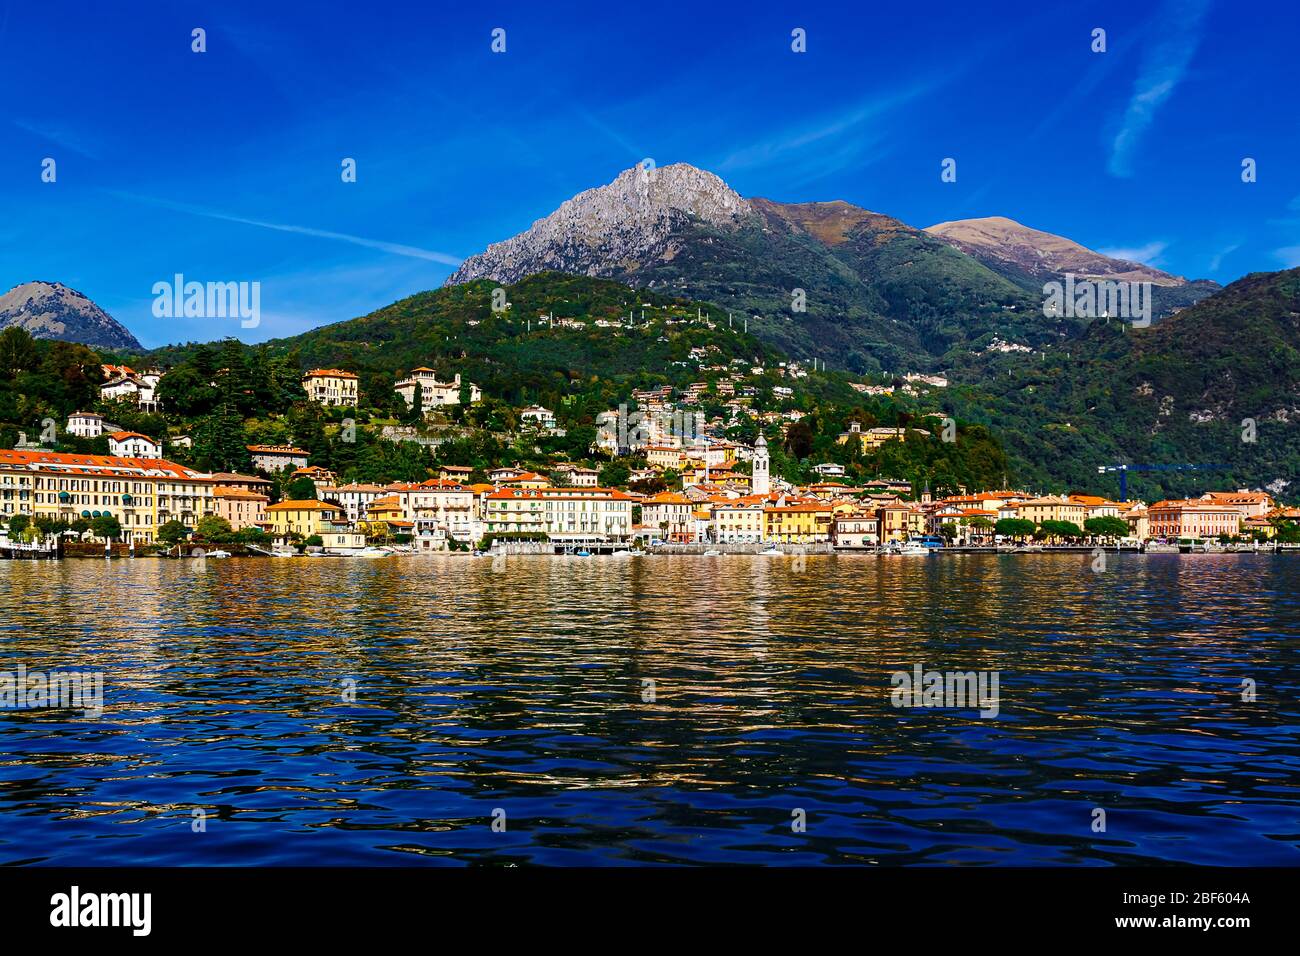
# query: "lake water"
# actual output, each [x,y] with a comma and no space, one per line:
[517,689]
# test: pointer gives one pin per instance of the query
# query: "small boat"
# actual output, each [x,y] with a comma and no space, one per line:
[1160,547]
[912,548]
[582,554]
[371,553]
[217,554]
[771,553]
[712,553]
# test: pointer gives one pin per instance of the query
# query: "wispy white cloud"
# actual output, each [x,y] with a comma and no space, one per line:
[794,144]
[60,135]
[1148,255]
[395,248]
[1177,29]
[1216,260]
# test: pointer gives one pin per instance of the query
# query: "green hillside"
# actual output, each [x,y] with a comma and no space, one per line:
[1178,392]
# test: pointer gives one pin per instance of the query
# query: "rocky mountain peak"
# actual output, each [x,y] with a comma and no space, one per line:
[628,221]
[51,310]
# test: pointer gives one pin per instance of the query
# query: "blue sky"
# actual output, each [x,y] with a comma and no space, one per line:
[225,165]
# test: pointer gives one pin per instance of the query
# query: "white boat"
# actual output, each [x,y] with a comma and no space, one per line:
[772,553]
[912,548]
[712,553]
[371,553]
[217,554]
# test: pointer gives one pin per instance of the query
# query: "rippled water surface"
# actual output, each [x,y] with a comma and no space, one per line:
[519,687]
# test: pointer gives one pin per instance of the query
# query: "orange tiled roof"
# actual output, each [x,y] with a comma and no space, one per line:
[307,505]
[225,491]
[92,466]
[275,450]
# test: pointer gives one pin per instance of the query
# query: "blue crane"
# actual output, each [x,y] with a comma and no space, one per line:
[1125,469]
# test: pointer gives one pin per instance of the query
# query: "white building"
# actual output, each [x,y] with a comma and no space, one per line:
[575,476]
[829,469]
[433,393]
[538,416]
[124,384]
[353,499]
[574,513]
[737,523]
[85,424]
[441,504]
[133,445]
[271,458]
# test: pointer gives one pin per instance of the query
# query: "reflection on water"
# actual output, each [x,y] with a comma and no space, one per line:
[520,686]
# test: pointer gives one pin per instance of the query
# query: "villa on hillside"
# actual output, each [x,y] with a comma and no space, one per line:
[433,393]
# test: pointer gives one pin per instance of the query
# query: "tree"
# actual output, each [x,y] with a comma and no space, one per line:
[1014,527]
[17,351]
[1106,527]
[219,441]
[799,439]
[213,528]
[415,413]
[253,535]
[1060,529]
[18,523]
[614,474]
[300,489]
[172,532]
[107,527]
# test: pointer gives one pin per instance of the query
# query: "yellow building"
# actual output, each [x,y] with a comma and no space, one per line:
[305,518]
[802,523]
[385,510]
[663,456]
[331,386]
[142,493]
[1050,508]
[898,522]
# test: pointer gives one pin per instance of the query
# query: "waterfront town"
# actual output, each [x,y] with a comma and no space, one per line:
[682,488]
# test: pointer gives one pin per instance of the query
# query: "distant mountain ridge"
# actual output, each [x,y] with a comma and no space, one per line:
[1030,257]
[879,294]
[51,310]
[828,280]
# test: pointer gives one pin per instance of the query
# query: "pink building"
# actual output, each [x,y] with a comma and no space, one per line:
[1195,518]
[241,507]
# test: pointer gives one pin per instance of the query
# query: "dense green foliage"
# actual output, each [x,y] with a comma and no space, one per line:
[1195,388]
